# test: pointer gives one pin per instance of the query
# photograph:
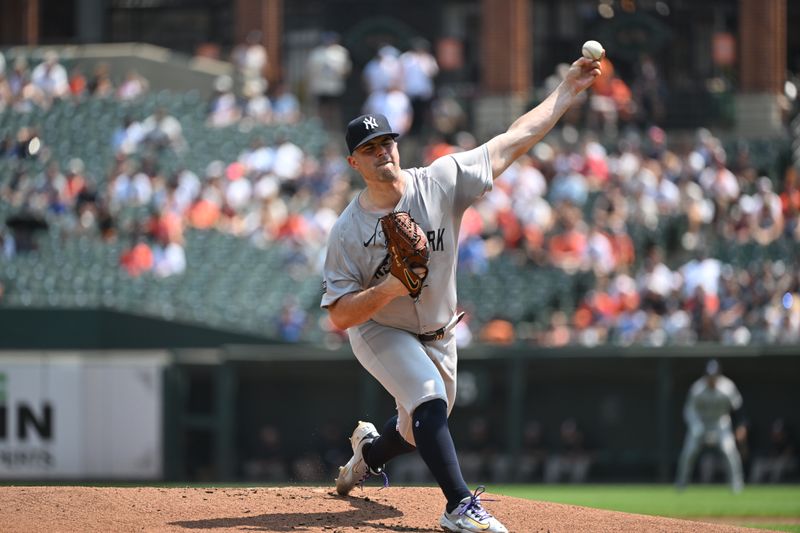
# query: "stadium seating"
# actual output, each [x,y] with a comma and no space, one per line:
[231,283]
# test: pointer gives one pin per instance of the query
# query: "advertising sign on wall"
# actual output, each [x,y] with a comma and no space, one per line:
[81,415]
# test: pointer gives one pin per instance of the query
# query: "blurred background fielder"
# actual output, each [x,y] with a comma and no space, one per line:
[707,413]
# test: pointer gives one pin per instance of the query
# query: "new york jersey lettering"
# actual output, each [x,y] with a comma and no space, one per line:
[436,239]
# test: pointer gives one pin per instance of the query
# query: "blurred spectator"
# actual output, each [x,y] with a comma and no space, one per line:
[78,85]
[472,254]
[767,223]
[288,161]
[259,157]
[19,76]
[2,64]
[609,102]
[656,281]
[127,136]
[327,70]
[567,247]
[6,100]
[569,185]
[223,109]
[162,130]
[100,85]
[437,147]
[132,87]
[703,307]
[498,330]
[51,77]
[394,104]
[383,71]
[139,258]
[600,252]
[571,461]
[285,105]
[558,332]
[732,309]
[75,179]
[250,58]
[701,271]
[291,321]
[790,201]
[778,458]
[169,256]
[718,182]
[205,211]
[419,69]
[30,98]
[257,105]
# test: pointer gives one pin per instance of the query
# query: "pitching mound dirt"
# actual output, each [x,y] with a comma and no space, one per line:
[308,509]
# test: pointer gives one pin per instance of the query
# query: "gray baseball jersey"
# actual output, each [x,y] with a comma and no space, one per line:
[436,196]
[411,371]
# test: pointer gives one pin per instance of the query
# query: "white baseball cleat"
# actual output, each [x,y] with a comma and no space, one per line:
[356,469]
[471,517]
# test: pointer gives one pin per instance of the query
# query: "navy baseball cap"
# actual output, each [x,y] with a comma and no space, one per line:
[365,128]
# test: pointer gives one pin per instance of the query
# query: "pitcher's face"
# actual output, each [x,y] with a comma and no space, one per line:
[377,159]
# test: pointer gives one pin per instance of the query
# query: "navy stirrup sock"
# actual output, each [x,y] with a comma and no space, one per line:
[386,447]
[435,445]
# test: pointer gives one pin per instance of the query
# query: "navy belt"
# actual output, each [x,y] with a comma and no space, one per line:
[439,333]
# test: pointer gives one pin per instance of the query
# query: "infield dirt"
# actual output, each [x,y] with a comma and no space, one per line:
[306,509]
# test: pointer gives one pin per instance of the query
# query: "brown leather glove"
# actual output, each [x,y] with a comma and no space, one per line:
[408,250]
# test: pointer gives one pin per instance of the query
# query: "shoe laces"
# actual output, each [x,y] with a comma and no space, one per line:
[474,506]
[369,473]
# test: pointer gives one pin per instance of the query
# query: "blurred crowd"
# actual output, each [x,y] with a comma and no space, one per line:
[23,89]
[578,202]
[540,210]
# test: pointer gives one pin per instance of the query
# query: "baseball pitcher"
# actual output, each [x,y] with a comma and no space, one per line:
[707,413]
[390,281]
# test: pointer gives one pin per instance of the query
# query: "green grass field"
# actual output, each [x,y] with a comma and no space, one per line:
[763,506]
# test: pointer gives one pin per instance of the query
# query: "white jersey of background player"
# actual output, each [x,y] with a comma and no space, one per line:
[707,413]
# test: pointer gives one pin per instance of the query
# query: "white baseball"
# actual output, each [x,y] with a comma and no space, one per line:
[592,50]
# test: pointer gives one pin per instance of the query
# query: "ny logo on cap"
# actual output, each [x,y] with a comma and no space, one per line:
[370,123]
